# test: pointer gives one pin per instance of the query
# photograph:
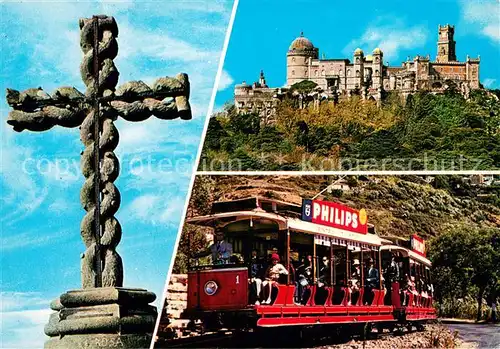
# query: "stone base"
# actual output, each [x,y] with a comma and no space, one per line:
[108,317]
[91,341]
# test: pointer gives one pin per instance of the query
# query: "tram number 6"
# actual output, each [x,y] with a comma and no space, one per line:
[237,279]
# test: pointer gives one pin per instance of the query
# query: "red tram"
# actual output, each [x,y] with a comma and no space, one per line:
[320,234]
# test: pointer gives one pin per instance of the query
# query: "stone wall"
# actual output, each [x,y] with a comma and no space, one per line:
[176,295]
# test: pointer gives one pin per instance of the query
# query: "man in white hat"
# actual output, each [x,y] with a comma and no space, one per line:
[354,282]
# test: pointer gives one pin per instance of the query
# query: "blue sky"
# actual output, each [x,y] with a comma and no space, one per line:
[40,176]
[264,29]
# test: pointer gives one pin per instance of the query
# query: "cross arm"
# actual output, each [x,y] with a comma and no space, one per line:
[36,110]
[168,98]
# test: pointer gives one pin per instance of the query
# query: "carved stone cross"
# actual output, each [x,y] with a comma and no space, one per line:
[95,112]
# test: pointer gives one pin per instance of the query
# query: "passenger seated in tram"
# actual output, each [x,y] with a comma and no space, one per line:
[256,270]
[324,273]
[273,273]
[354,282]
[372,281]
[303,279]
[324,281]
[220,250]
[410,288]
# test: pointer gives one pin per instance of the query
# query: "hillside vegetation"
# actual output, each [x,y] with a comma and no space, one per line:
[431,132]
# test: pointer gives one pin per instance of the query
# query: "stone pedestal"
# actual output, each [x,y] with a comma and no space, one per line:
[108,317]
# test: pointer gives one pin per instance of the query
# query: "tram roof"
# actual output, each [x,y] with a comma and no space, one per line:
[407,253]
[262,218]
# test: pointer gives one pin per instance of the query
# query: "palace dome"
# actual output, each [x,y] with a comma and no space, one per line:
[377,51]
[301,43]
[358,51]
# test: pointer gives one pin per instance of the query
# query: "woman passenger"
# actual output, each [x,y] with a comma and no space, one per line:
[273,273]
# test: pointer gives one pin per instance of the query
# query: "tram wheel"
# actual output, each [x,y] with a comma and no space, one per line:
[368,330]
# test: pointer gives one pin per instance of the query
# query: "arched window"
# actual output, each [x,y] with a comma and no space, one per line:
[357,59]
[305,59]
[376,72]
[293,59]
[357,73]
[315,73]
[293,72]
[323,72]
[348,72]
[376,59]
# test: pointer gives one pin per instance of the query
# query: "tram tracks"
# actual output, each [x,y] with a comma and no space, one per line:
[284,338]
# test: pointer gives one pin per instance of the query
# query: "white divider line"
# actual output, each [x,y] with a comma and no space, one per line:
[195,166]
[345,173]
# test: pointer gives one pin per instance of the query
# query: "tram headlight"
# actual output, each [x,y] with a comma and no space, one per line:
[210,288]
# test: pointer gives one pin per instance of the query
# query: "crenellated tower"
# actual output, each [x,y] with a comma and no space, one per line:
[446,44]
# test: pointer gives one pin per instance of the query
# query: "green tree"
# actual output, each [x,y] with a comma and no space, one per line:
[466,261]
[193,238]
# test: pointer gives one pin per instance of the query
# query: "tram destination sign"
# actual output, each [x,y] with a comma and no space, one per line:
[335,215]
[417,245]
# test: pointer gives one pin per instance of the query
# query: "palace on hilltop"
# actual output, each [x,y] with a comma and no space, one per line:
[366,75]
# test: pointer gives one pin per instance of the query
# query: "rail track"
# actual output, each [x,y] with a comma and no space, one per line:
[280,337]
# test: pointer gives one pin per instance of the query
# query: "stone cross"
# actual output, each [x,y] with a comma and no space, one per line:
[95,112]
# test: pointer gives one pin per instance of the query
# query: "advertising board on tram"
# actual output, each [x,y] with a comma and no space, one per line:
[417,245]
[335,215]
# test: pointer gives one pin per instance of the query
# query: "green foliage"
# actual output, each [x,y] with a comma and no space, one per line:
[193,238]
[466,263]
[433,132]
[304,86]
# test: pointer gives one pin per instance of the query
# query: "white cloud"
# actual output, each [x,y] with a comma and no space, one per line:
[24,329]
[485,14]
[32,238]
[390,38]
[22,320]
[490,83]
[156,209]
[14,301]
[21,188]
[159,44]
[225,81]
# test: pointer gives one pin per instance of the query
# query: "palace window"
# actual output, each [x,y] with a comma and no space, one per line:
[357,73]
[293,59]
[293,72]
[348,72]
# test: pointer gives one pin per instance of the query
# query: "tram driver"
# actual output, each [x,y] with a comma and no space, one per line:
[220,250]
